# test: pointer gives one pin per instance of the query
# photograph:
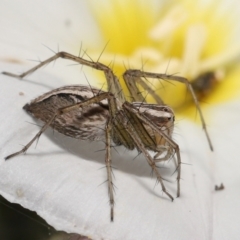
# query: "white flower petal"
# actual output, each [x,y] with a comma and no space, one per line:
[30,28]
[26,25]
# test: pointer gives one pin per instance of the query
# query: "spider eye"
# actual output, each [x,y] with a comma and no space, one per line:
[171,118]
[165,109]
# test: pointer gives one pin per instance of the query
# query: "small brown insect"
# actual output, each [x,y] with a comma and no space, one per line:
[204,84]
[220,187]
[87,113]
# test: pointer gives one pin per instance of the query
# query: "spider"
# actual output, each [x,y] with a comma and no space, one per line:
[88,113]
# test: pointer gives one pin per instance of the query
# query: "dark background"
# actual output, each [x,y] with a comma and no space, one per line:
[18,223]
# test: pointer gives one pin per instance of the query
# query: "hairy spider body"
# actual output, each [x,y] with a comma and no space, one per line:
[89,123]
[86,123]
[88,113]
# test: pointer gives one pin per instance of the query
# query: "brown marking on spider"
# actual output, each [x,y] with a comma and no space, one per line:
[87,113]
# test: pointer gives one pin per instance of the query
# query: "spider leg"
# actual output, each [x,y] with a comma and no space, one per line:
[112,81]
[171,143]
[168,155]
[25,148]
[136,95]
[160,151]
[141,147]
[108,166]
[59,112]
[134,74]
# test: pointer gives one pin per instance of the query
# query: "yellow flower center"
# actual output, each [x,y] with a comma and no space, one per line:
[186,38]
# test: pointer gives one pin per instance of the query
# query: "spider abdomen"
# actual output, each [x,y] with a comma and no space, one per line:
[86,123]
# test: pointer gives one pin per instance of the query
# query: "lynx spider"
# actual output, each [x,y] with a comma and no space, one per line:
[135,124]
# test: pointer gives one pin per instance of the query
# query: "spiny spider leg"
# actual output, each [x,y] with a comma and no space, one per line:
[59,112]
[166,157]
[112,81]
[135,93]
[133,74]
[108,162]
[172,144]
[140,146]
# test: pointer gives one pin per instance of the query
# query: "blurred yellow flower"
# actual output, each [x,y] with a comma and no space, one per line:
[194,39]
